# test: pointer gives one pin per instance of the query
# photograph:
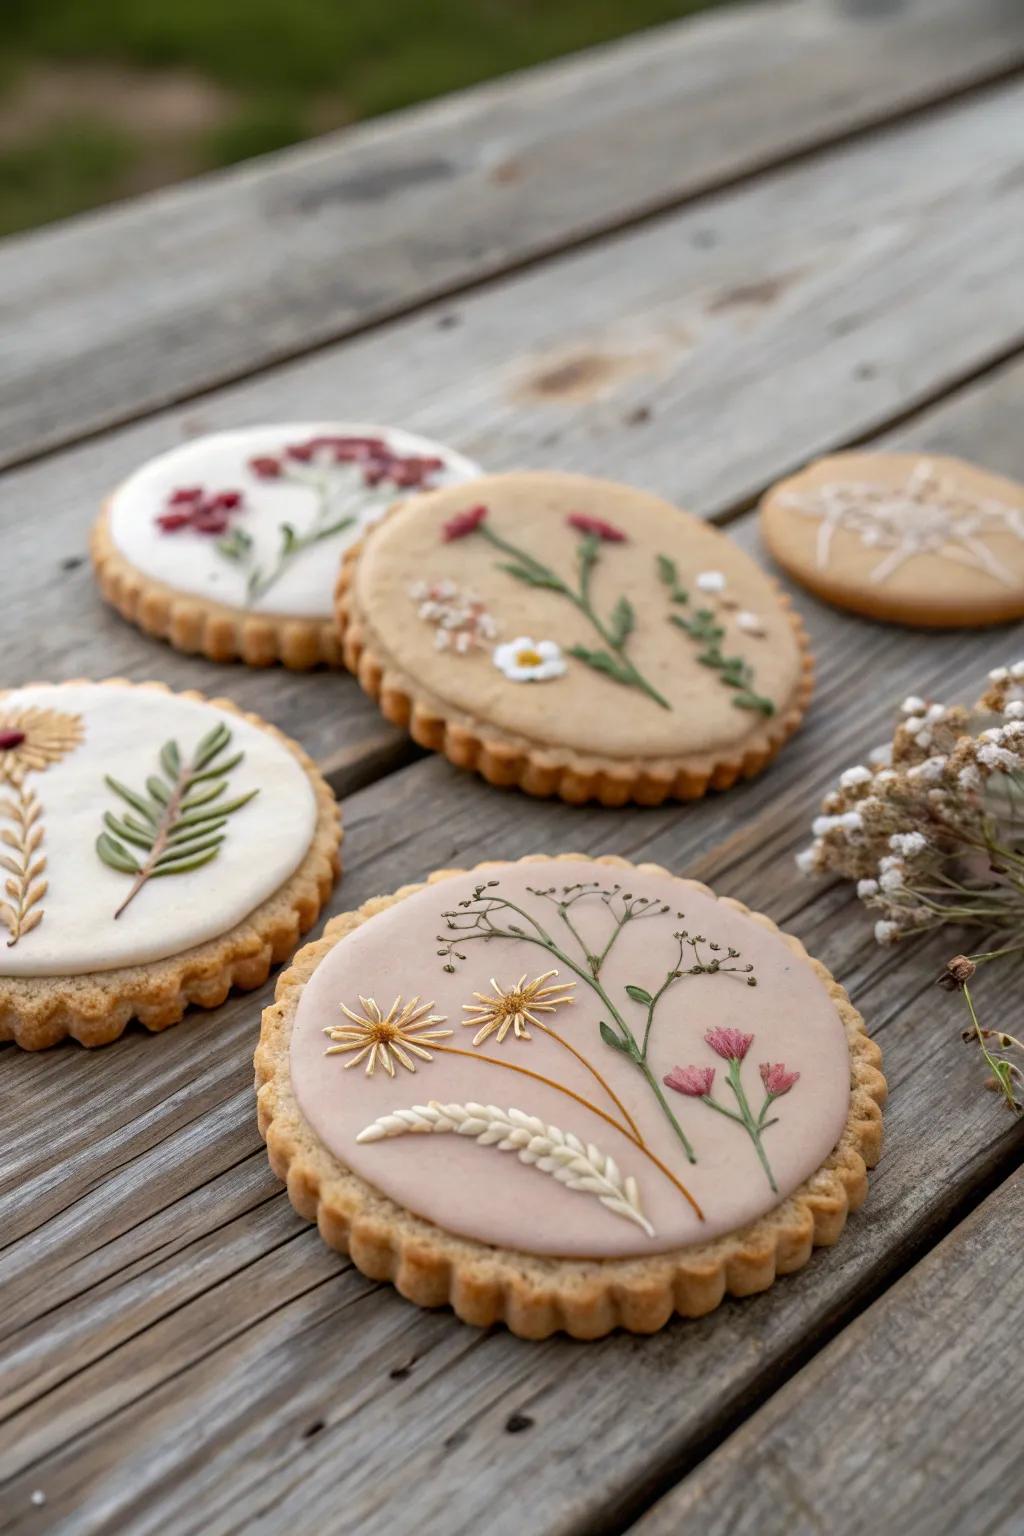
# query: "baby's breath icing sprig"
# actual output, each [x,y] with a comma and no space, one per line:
[488,914]
[932,831]
[703,626]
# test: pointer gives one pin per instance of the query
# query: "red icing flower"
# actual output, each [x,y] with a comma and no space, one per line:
[266,467]
[462,523]
[732,1044]
[584,523]
[203,512]
[378,462]
[776,1079]
[693,1081]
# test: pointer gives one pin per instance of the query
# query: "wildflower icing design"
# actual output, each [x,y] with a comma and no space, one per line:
[461,620]
[513,1007]
[614,630]
[927,514]
[376,1037]
[732,1046]
[575,1001]
[31,740]
[929,833]
[708,629]
[530,661]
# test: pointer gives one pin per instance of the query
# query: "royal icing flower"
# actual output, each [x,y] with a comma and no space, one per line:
[711,581]
[730,1044]
[596,527]
[512,1007]
[201,511]
[463,523]
[529,661]
[776,1079]
[371,455]
[461,619]
[695,1082]
[400,1033]
[32,739]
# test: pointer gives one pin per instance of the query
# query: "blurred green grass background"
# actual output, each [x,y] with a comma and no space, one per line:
[100,99]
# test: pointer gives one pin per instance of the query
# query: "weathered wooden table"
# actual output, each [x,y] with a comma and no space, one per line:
[691,261]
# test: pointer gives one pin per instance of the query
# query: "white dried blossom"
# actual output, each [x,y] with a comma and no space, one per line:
[855,776]
[866,888]
[808,860]
[886,932]
[908,843]
[912,705]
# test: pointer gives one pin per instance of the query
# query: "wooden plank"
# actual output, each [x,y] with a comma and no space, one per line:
[182,1353]
[124,311]
[700,370]
[909,1421]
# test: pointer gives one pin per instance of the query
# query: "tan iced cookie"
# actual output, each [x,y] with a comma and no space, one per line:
[574,637]
[229,544]
[157,849]
[916,539]
[568,1093]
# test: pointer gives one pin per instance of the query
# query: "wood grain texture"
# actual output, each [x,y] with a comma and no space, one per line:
[690,357]
[182,1353]
[121,312]
[921,1380]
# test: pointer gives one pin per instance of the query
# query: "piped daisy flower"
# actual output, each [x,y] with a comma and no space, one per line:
[529,661]
[513,1007]
[32,739]
[374,1036]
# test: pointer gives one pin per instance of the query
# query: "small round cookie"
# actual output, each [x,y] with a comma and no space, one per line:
[915,539]
[574,637]
[229,544]
[157,849]
[567,1093]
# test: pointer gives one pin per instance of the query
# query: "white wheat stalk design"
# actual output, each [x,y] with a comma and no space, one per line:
[544,1147]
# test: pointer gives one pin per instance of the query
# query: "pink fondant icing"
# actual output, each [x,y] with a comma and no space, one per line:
[479,1192]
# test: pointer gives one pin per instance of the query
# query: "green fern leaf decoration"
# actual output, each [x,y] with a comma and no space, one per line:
[179,822]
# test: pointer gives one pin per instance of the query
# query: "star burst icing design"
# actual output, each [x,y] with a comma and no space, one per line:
[514,1007]
[926,515]
[398,1035]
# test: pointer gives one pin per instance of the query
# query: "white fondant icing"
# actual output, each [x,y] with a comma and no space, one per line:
[124,729]
[189,561]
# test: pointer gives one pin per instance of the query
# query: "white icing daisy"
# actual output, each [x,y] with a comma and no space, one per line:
[529,661]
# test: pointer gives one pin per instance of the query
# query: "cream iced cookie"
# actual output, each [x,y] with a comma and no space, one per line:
[567,1094]
[229,544]
[157,849]
[574,637]
[911,538]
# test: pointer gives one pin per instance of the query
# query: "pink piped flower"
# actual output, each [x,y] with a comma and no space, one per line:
[730,1044]
[777,1080]
[584,523]
[695,1082]
[201,511]
[463,523]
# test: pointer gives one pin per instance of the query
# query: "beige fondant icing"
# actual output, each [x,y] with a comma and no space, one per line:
[581,709]
[471,1189]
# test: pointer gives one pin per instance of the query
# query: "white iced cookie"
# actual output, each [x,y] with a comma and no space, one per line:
[157,849]
[229,544]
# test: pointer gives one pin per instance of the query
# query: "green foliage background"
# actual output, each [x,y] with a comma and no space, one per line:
[284,67]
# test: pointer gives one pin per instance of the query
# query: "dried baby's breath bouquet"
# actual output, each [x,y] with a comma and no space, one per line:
[933,833]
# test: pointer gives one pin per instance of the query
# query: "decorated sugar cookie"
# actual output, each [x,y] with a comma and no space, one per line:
[574,637]
[913,538]
[156,849]
[229,544]
[568,1093]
